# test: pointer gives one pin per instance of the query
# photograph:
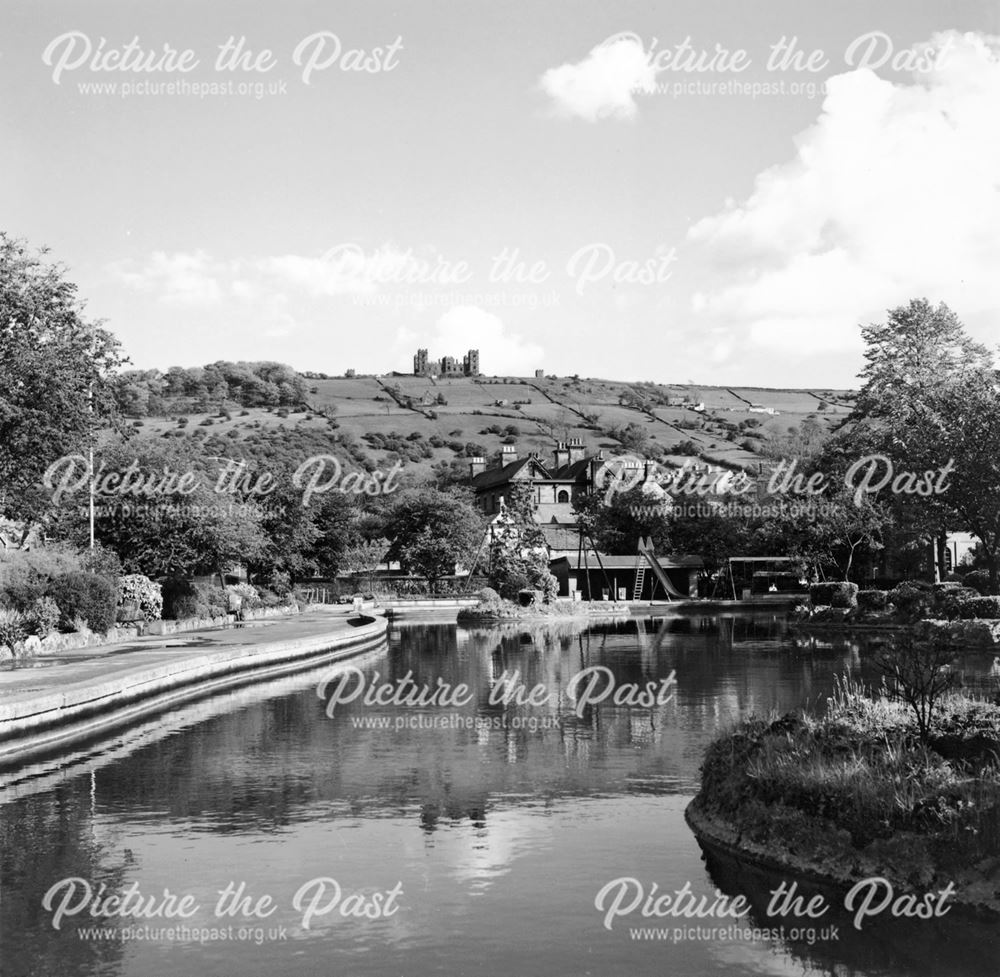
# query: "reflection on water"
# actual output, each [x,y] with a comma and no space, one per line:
[500,820]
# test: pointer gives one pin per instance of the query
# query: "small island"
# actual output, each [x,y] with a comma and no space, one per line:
[902,784]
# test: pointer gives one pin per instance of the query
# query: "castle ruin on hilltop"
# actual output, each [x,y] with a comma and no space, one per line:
[447,366]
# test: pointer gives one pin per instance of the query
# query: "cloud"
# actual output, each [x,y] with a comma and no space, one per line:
[467,327]
[602,85]
[346,269]
[182,279]
[893,194]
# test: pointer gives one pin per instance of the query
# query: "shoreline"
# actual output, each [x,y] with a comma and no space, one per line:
[33,723]
[720,835]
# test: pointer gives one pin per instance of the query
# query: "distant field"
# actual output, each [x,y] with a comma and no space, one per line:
[559,408]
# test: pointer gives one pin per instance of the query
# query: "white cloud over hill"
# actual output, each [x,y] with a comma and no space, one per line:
[894,193]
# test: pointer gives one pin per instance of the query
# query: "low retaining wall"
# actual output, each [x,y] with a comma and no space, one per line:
[48,721]
[126,632]
[426,606]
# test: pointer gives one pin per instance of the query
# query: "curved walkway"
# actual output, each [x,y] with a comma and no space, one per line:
[53,700]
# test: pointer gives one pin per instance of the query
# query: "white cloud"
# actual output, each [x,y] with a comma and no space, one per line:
[184,279]
[602,85]
[346,269]
[466,327]
[893,194]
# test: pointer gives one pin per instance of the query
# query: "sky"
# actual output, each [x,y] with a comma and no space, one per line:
[714,192]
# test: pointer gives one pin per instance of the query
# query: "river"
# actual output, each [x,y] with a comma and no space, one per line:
[277,831]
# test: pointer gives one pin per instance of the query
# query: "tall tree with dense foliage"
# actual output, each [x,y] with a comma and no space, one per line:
[173,531]
[922,371]
[431,531]
[908,357]
[55,380]
[964,428]
[518,556]
[617,525]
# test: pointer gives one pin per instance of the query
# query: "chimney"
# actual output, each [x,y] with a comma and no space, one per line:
[561,455]
[476,466]
[576,450]
[508,453]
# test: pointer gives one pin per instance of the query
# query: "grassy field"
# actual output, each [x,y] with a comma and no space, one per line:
[544,411]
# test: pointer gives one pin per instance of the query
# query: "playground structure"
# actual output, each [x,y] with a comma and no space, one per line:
[776,575]
[646,557]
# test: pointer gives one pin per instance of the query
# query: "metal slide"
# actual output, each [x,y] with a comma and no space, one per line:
[646,550]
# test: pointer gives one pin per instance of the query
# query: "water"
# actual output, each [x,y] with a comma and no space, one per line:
[497,828]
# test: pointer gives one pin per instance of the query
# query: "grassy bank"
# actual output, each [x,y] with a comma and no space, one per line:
[857,792]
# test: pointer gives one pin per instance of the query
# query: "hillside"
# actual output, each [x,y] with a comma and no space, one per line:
[426,421]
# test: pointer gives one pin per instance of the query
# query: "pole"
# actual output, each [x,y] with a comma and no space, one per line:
[90,399]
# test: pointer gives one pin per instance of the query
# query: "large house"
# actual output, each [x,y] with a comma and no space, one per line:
[571,474]
[574,561]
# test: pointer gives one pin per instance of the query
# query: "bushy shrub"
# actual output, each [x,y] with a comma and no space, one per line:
[25,575]
[86,596]
[145,594]
[103,561]
[181,599]
[838,593]
[979,607]
[248,594]
[214,601]
[487,594]
[548,584]
[21,594]
[42,617]
[280,582]
[12,628]
[979,579]
[913,599]
[872,600]
[950,601]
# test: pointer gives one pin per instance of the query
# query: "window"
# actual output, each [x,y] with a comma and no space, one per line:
[563,496]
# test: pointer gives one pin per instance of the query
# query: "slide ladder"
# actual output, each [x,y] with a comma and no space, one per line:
[640,579]
[646,550]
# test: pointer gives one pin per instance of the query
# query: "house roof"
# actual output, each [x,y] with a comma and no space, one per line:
[628,561]
[575,472]
[501,476]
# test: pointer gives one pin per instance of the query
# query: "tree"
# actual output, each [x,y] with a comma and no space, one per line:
[56,382]
[432,531]
[918,672]
[172,531]
[913,360]
[364,558]
[518,557]
[714,535]
[908,356]
[964,428]
[836,533]
[617,526]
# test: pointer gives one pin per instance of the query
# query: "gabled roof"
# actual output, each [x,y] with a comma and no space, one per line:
[576,472]
[501,476]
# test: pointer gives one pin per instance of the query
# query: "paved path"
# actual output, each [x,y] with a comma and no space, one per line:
[52,701]
[45,674]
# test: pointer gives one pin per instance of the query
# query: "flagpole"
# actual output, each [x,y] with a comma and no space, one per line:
[90,398]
